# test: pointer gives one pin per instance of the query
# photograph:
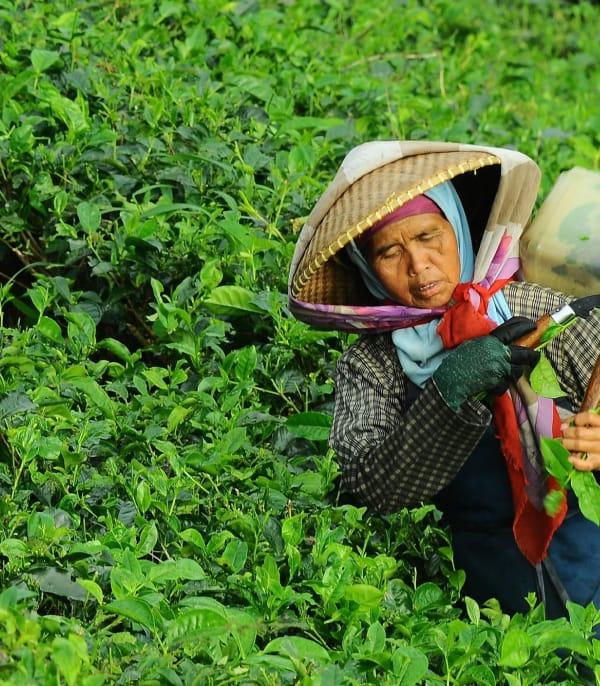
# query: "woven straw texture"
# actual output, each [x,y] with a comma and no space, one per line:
[321,277]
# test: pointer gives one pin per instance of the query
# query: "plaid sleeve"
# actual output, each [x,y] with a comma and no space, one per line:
[573,354]
[391,458]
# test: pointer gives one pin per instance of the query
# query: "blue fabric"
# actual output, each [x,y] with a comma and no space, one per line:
[420,348]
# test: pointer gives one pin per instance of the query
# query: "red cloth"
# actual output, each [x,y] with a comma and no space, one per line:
[532,528]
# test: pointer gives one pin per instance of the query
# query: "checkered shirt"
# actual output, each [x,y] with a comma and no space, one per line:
[392,457]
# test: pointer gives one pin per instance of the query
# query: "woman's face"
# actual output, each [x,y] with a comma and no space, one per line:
[416,259]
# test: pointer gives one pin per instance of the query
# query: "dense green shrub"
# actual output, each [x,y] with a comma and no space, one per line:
[168,510]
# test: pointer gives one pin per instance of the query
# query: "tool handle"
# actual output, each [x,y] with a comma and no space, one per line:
[591,399]
[532,340]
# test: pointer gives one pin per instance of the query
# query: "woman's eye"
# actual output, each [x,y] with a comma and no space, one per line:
[394,251]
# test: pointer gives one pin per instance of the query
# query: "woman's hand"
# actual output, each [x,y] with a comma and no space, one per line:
[488,363]
[581,436]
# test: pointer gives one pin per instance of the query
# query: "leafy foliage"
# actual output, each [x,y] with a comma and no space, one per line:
[168,509]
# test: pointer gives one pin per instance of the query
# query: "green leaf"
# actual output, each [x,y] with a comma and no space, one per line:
[117,348]
[245,363]
[376,638]
[194,537]
[41,60]
[234,555]
[67,658]
[558,634]
[543,379]
[587,490]
[142,496]
[515,649]
[95,393]
[428,595]
[364,594]
[147,540]
[244,629]
[176,416]
[552,331]
[176,570]
[556,459]
[68,111]
[480,675]
[89,216]
[92,588]
[135,609]
[51,580]
[15,402]
[232,300]
[409,666]
[81,329]
[13,548]
[196,624]
[314,426]
[298,648]
[211,274]
[50,329]
[472,610]
[553,502]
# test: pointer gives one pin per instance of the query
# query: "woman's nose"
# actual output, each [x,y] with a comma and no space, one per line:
[417,261]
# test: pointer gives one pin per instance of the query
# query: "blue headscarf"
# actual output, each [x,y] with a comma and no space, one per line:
[420,348]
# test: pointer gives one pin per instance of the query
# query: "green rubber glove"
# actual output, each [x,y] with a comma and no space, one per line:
[485,364]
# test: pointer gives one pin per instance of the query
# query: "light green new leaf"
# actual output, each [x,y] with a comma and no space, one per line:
[176,570]
[142,496]
[472,610]
[543,379]
[176,416]
[553,502]
[587,490]
[364,594]
[516,648]
[234,555]
[50,329]
[556,459]
[299,648]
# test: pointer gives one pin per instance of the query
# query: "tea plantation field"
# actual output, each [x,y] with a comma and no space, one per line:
[168,504]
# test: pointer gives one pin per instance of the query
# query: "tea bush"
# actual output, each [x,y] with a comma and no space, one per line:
[168,506]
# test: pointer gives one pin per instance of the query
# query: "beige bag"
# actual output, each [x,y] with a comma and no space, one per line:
[561,247]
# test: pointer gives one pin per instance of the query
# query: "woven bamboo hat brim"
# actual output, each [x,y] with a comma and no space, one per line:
[322,278]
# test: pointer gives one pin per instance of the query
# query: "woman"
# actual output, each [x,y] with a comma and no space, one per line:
[390,248]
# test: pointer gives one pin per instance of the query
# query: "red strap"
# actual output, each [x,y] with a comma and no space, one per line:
[533,529]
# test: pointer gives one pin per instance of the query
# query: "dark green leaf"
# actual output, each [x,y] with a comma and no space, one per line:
[312,425]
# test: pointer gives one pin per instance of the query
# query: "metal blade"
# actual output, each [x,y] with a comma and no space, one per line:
[583,306]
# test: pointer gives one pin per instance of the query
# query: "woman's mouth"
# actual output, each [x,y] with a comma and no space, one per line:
[426,290]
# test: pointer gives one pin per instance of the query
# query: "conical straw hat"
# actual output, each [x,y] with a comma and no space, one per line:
[376,178]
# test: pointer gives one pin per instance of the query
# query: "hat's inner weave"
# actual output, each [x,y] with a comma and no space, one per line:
[337,282]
